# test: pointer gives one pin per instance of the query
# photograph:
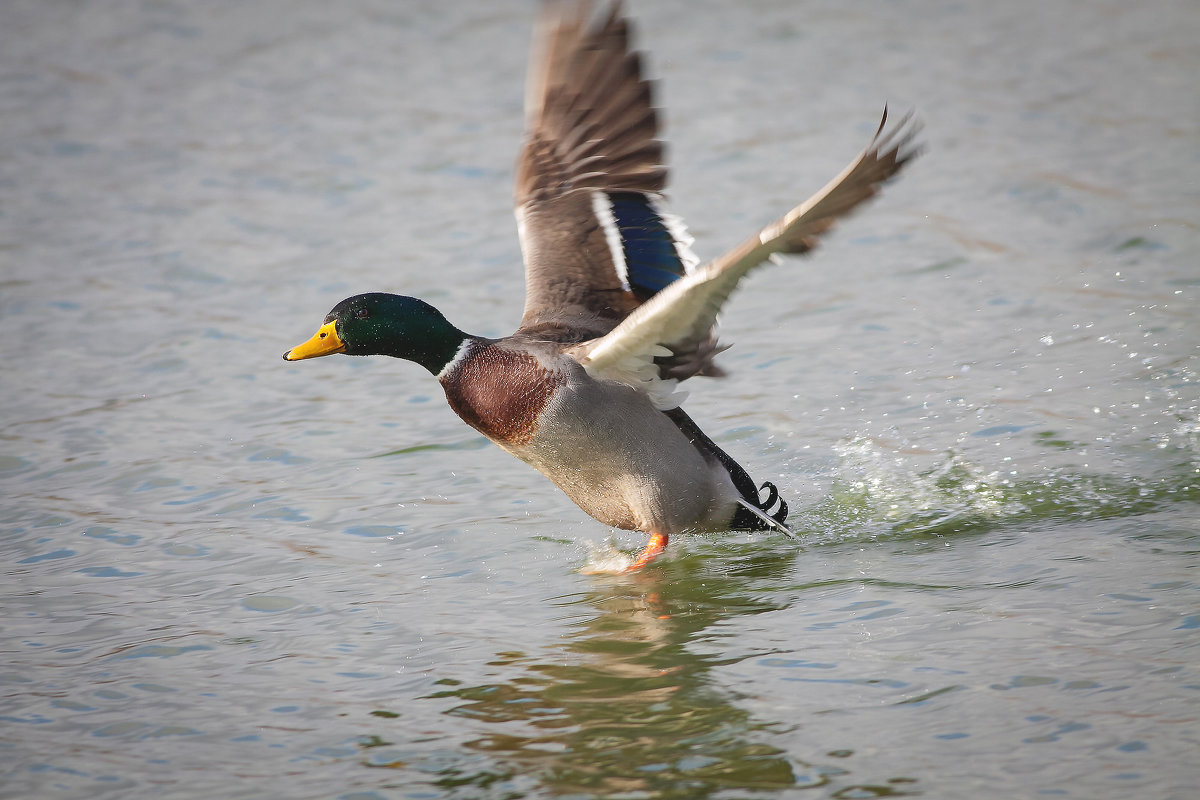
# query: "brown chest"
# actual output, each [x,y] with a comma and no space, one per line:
[499,392]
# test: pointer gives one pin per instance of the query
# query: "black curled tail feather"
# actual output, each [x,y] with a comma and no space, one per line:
[743,518]
[780,514]
[747,520]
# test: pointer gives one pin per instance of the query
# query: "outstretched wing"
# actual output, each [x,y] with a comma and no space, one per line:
[596,238]
[681,316]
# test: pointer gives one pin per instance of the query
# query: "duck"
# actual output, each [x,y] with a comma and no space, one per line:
[619,311]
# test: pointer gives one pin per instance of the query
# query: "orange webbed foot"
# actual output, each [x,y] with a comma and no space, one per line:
[654,548]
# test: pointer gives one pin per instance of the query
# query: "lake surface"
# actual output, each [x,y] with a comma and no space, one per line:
[229,576]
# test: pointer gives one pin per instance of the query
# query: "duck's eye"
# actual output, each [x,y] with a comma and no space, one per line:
[361,313]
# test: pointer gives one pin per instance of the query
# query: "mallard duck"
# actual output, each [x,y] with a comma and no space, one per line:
[618,310]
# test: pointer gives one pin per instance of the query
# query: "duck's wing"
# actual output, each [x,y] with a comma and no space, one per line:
[596,239]
[682,314]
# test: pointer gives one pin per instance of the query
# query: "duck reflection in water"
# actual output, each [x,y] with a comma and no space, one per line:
[628,701]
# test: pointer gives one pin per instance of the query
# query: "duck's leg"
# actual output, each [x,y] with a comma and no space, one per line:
[654,548]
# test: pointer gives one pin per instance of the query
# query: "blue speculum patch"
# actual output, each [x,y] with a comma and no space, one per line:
[650,255]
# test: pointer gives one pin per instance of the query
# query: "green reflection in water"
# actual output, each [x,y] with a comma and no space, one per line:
[626,708]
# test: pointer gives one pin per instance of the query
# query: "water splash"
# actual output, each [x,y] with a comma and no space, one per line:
[881,493]
[605,559]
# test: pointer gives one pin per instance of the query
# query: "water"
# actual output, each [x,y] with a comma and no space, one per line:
[228,576]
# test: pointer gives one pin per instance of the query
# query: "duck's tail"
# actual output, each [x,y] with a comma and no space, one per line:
[753,513]
[760,512]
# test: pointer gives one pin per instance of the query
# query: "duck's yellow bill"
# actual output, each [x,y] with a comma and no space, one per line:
[325,342]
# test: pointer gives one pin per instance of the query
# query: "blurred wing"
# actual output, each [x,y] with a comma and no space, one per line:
[596,238]
[680,317]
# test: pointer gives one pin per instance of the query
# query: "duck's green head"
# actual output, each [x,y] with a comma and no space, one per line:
[388,325]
